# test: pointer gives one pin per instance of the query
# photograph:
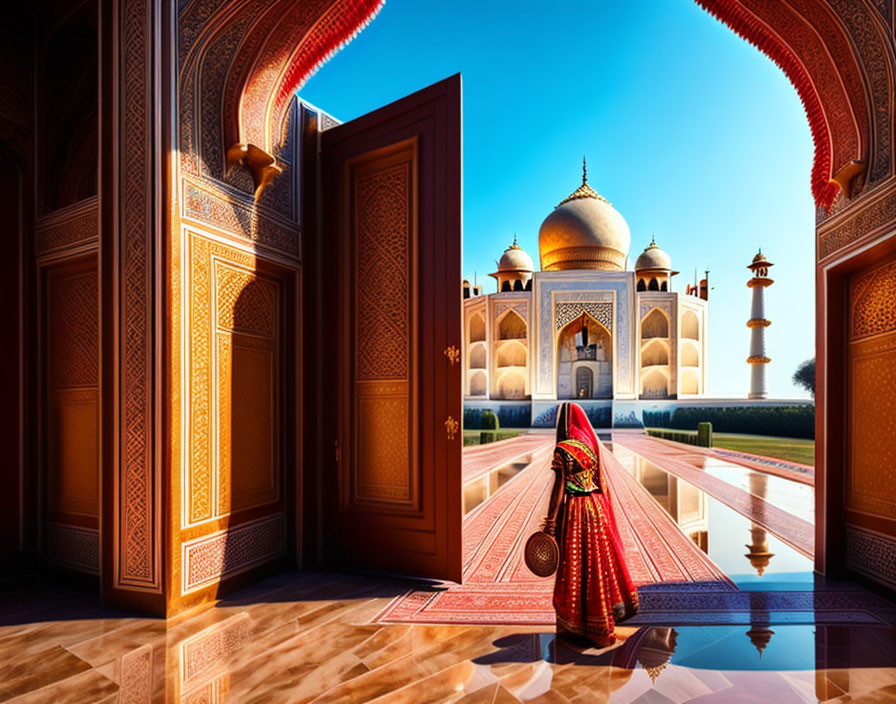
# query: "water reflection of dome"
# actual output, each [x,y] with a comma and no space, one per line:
[656,650]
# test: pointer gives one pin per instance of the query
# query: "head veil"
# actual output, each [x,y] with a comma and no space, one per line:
[575,435]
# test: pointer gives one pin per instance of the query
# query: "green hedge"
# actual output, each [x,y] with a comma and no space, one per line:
[681,436]
[780,421]
[490,421]
[487,436]
[508,417]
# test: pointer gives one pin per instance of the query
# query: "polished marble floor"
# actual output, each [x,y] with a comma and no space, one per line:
[311,638]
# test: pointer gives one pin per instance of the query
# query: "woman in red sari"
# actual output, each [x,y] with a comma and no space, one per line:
[593,589]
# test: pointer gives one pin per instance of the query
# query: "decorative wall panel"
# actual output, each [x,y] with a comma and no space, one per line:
[872,554]
[234,342]
[247,340]
[209,559]
[74,547]
[71,227]
[71,415]
[383,254]
[870,478]
[137,503]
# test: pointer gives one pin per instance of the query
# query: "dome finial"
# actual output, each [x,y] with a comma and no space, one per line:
[653,240]
[514,241]
[584,172]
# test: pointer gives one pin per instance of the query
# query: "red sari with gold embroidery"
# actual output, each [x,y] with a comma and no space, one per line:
[593,589]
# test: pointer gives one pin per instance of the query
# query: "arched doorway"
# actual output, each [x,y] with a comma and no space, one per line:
[587,357]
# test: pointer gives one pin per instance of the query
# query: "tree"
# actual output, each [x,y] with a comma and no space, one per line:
[805,375]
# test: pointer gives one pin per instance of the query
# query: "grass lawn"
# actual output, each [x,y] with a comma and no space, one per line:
[471,437]
[787,449]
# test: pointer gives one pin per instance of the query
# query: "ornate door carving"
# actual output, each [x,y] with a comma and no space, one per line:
[870,482]
[71,414]
[392,195]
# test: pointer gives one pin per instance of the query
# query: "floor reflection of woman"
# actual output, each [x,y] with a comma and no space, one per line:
[593,589]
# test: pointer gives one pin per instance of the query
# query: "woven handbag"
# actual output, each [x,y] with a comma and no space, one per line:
[542,554]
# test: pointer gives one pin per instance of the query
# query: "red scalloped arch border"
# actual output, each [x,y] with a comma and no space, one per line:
[743,23]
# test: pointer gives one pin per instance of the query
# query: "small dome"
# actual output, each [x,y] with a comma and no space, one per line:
[653,258]
[515,259]
[759,261]
[584,232]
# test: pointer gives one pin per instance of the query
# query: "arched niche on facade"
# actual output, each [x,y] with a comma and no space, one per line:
[512,354]
[655,324]
[655,353]
[477,328]
[598,357]
[653,285]
[511,326]
[512,386]
[641,285]
[690,325]
[478,357]
[655,384]
[518,285]
[690,357]
[690,382]
[478,384]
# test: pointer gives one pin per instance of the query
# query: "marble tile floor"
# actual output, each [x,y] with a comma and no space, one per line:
[310,638]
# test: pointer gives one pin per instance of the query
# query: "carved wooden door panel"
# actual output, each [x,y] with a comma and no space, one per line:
[870,481]
[70,429]
[392,231]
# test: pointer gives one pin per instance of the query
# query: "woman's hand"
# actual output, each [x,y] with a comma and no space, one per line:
[549,526]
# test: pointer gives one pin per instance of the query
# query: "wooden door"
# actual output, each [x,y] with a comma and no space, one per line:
[392,235]
[870,481]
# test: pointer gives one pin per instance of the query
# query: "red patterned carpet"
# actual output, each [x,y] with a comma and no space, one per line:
[684,462]
[498,588]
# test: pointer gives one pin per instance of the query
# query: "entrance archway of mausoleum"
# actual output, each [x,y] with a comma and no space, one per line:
[238,66]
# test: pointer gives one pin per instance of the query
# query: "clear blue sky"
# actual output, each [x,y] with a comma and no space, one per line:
[690,132]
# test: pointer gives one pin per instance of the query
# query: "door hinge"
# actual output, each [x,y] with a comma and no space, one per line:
[451,426]
[453,354]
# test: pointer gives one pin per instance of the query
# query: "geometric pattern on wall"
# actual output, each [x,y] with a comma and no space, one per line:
[247,389]
[601,312]
[872,554]
[233,346]
[68,227]
[871,455]
[74,330]
[383,332]
[223,554]
[871,475]
[74,547]
[873,294]
[137,503]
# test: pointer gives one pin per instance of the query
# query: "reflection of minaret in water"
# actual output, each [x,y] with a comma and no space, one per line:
[759,555]
[760,635]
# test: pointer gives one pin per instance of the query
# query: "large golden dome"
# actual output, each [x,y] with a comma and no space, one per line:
[584,232]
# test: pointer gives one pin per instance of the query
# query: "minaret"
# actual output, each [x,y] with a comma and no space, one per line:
[757,324]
